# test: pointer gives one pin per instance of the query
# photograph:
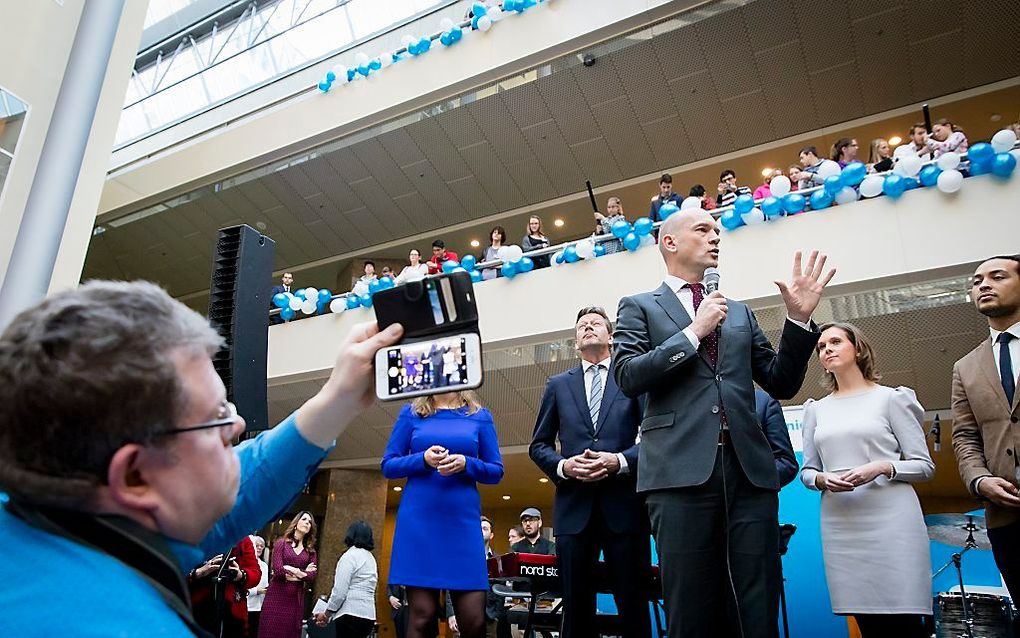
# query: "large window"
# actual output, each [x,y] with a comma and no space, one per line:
[12,118]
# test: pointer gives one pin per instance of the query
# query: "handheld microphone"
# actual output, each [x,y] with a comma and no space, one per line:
[711,280]
[936,432]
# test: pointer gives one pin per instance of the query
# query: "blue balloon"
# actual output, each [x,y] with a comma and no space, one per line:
[363,69]
[287,313]
[631,242]
[413,48]
[478,9]
[474,23]
[424,45]
[456,34]
[299,293]
[772,207]
[508,270]
[743,204]
[325,296]
[560,257]
[793,203]
[445,39]
[386,282]
[525,264]
[619,228]
[833,184]
[854,173]
[894,185]
[476,276]
[352,301]
[375,64]
[911,183]
[330,77]
[929,175]
[730,220]
[668,209]
[981,152]
[366,300]
[600,250]
[449,265]
[374,286]
[280,300]
[511,5]
[468,261]
[570,254]
[350,74]
[1003,164]
[324,86]
[643,226]
[821,199]
[979,167]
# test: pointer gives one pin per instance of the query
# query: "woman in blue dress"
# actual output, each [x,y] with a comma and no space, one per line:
[443,445]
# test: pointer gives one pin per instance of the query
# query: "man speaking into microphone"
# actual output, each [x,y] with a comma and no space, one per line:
[707,472]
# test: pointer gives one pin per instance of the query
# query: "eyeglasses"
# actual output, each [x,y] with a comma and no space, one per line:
[228,410]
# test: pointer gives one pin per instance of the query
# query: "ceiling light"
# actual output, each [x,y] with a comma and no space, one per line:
[543,480]
[506,497]
[895,140]
[765,172]
[995,117]
[260,225]
[558,223]
[397,488]
[475,243]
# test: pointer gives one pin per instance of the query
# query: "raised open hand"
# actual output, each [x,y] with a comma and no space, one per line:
[802,294]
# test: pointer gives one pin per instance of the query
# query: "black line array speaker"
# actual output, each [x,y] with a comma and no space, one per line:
[239,311]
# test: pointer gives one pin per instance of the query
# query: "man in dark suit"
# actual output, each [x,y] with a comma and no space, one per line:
[285,286]
[707,471]
[773,424]
[597,508]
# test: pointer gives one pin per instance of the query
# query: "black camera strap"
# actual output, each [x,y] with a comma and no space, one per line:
[143,550]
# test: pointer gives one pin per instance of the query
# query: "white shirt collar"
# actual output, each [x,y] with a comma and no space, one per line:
[587,364]
[675,283]
[1013,330]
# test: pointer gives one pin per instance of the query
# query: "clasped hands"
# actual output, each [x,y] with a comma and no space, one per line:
[447,464]
[848,480]
[590,466]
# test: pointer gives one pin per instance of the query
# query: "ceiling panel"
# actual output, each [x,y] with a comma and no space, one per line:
[619,125]
[723,39]
[837,91]
[825,33]
[442,154]
[554,155]
[698,106]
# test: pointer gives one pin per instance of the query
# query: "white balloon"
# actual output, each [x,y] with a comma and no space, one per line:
[1016,153]
[585,249]
[295,304]
[311,293]
[950,181]
[780,185]
[360,288]
[503,254]
[308,307]
[338,305]
[495,13]
[846,195]
[690,203]
[446,24]
[909,165]
[948,161]
[407,39]
[872,186]
[754,216]
[1003,141]
[362,58]
[385,59]
[827,169]
[514,253]
[484,23]
[647,240]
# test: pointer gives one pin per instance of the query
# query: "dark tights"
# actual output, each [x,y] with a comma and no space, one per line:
[468,606]
[899,625]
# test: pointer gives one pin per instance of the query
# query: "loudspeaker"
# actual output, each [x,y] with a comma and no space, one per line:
[238,310]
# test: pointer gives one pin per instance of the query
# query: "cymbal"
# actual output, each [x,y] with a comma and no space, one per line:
[955,529]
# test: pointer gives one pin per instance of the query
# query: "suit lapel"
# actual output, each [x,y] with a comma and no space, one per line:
[607,398]
[986,361]
[668,301]
[577,389]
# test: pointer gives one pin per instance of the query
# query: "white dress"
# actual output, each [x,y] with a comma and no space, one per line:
[874,540]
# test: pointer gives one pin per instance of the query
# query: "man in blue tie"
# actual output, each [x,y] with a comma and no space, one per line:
[986,412]
[597,507]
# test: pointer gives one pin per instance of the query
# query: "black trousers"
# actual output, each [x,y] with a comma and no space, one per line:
[1006,550]
[898,625]
[353,627]
[717,546]
[627,556]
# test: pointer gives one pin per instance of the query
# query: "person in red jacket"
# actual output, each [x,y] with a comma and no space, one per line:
[439,255]
[241,573]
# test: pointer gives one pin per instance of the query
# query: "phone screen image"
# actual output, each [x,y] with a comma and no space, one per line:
[427,365]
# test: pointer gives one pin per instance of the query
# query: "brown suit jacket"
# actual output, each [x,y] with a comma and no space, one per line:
[986,436]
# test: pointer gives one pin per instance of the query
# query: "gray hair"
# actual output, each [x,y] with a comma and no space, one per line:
[84,373]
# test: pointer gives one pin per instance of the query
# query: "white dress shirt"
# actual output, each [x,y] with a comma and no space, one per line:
[254,597]
[603,372]
[1014,347]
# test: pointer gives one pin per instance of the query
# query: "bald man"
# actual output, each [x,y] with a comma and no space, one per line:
[707,471]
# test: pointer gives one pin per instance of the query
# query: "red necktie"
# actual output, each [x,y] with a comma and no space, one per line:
[711,341]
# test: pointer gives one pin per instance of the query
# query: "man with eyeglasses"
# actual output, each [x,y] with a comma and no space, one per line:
[116,453]
[597,507]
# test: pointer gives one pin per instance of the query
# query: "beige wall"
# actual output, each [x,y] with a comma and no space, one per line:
[35,44]
[873,243]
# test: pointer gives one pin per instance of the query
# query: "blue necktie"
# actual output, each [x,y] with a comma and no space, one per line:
[595,402]
[1006,366]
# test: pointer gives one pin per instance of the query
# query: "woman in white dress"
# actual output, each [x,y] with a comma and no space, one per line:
[415,270]
[863,446]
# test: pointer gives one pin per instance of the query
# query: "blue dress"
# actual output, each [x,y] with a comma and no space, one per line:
[438,543]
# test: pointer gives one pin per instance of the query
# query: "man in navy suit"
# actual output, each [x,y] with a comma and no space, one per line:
[285,286]
[597,508]
[773,424]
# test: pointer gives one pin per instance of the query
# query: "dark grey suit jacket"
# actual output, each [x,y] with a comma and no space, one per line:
[686,397]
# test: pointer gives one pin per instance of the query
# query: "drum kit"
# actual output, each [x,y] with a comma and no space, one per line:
[962,614]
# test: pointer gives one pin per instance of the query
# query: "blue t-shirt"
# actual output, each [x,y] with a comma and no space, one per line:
[52,586]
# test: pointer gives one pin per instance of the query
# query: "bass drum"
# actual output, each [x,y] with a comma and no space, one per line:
[992,615]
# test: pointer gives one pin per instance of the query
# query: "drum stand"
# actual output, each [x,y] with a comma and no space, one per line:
[956,561]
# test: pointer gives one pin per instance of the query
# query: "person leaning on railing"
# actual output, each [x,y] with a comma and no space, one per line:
[535,239]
